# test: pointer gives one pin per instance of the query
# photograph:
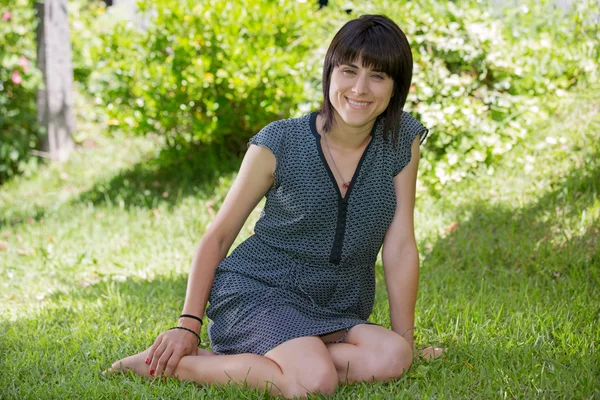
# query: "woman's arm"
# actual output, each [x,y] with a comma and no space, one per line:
[254,179]
[400,254]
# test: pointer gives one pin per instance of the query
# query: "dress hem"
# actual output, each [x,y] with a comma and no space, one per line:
[291,337]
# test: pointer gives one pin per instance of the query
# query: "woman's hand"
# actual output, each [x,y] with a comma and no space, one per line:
[431,352]
[168,348]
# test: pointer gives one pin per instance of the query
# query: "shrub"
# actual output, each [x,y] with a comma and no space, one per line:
[207,71]
[480,79]
[19,79]
[210,71]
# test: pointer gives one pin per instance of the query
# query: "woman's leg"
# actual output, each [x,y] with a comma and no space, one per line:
[307,367]
[294,368]
[371,353]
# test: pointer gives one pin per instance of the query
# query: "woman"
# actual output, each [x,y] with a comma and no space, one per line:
[289,306]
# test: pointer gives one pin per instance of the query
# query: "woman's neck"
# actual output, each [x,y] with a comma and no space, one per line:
[344,136]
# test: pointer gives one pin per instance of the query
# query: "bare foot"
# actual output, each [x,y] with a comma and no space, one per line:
[137,364]
[134,363]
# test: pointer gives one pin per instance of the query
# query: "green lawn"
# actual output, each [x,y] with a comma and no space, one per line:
[94,256]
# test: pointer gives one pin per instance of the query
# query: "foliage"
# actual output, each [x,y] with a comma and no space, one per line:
[19,80]
[195,73]
[210,72]
[480,79]
[85,18]
[206,70]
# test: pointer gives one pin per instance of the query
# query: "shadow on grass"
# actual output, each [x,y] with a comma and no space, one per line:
[167,178]
[554,237]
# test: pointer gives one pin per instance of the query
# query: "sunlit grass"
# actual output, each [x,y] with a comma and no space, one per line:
[96,253]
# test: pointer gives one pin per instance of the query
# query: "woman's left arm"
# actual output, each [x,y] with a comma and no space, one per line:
[400,254]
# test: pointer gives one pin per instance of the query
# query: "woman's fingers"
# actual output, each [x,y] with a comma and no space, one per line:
[173,361]
[158,355]
[184,344]
[164,359]
[153,349]
[431,352]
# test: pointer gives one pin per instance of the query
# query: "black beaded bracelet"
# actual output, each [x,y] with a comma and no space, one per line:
[189,330]
[192,317]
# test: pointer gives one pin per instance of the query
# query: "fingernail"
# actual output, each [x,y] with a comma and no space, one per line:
[147,361]
[151,372]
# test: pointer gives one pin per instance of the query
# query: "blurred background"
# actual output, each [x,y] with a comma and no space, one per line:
[215,72]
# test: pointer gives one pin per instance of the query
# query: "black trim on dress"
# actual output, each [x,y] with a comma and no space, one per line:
[336,251]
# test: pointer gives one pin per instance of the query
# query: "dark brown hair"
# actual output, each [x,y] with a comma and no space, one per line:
[381,45]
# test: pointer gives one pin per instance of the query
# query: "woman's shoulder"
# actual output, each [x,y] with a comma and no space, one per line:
[274,134]
[405,132]
[410,127]
[282,126]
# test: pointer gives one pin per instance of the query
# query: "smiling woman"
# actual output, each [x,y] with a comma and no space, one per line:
[289,307]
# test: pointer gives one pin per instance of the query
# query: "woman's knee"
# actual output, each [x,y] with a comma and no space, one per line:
[306,367]
[322,379]
[392,360]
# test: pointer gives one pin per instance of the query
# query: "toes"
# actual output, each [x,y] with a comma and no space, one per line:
[108,372]
[116,368]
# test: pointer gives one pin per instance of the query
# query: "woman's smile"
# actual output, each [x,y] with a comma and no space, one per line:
[358,104]
[359,94]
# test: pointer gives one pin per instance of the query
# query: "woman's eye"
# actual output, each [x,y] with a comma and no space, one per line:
[348,71]
[379,77]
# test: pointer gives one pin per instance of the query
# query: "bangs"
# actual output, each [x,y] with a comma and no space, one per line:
[371,47]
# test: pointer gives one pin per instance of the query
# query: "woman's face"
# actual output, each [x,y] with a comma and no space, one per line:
[359,94]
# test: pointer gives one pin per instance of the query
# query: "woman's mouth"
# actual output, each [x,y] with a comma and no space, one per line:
[357,104]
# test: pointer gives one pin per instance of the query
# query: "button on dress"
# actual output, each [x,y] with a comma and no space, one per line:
[309,269]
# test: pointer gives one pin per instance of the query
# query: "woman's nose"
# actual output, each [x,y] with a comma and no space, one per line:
[361,85]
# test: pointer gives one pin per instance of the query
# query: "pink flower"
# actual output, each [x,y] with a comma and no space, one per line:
[24,63]
[16,78]
[6,16]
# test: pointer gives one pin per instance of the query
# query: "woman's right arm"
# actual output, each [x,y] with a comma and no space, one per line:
[254,179]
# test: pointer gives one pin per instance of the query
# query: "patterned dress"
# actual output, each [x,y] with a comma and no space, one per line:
[309,268]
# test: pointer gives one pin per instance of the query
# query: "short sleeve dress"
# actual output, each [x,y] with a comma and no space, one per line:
[308,270]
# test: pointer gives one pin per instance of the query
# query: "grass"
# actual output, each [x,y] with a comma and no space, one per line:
[96,253]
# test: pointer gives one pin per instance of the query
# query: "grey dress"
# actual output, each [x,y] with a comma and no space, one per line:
[309,268]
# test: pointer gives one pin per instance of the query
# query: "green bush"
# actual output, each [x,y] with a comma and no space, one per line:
[86,21]
[19,79]
[480,80]
[210,71]
[207,71]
